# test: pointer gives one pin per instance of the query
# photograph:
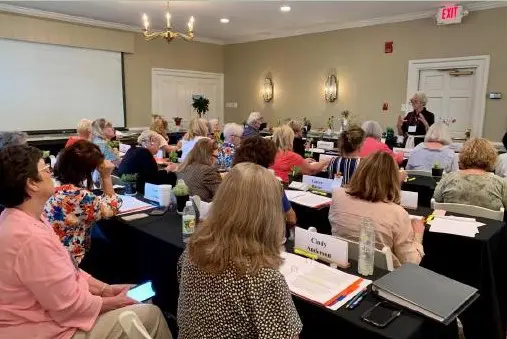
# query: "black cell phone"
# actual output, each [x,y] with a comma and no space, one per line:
[159,211]
[382,314]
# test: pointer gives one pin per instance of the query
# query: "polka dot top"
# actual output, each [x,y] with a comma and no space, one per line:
[227,306]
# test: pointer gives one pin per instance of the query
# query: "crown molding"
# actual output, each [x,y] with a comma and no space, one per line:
[84,21]
[361,23]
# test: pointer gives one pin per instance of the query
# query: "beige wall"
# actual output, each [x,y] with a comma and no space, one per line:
[140,56]
[367,77]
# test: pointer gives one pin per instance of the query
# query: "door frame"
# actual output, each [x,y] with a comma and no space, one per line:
[156,72]
[481,65]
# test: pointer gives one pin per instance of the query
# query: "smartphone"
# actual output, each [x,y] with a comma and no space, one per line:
[159,211]
[381,315]
[141,292]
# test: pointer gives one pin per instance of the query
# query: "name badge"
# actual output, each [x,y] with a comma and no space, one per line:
[326,247]
[412,129]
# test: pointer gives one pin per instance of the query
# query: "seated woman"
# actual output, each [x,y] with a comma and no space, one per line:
[299,143]
[197,129]
[286,159]
[139,160]
[215,131]
[12,139]
[344,166]
[473,184]
[229,272]
[199,171]
[73,208]
[434,150]
[159,126]
[43,294]
[102,133]
[262,152]
[374,193]
[232,135]
[372,142]
[84,132]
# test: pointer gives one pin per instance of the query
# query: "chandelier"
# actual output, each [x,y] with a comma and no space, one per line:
[169,34]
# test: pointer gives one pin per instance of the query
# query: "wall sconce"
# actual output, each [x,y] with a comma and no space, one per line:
[268,89]
[331,89]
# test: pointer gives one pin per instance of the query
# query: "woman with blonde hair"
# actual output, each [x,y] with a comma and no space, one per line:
[199,172]
[286,159]
[102,133]
[229,272]
[473,184]
[197,129]
[374,193]
[299,143]
[159,127]
[84,132]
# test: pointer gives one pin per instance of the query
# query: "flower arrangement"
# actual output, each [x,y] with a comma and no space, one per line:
[330,122]
[200,105]
[345,114]
[448,121]
[114,144]
[177,121]
[173,157]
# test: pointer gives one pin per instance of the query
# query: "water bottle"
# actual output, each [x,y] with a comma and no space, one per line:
[366,247]
[188,221]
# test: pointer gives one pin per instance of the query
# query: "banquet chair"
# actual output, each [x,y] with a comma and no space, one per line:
[418,172]
[133,326]
[474,211]
[383,258]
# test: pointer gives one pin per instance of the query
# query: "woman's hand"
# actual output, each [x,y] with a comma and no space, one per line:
[423,120]
[417,225]
[106,168]
[172,167]
[310,160]
[115,290]
[402,175]
[116,302]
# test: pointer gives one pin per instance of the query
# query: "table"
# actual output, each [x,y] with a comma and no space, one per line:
[155,244]
[425,186]
[478,262]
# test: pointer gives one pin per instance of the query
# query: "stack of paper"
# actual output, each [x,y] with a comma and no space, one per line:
[131,204]
[320,283]
[307,199]
[466,227]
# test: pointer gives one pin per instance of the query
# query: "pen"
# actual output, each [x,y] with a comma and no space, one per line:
[411,179]
[351,301]
[319,193]
[358,300]
[343,294]
[306,254]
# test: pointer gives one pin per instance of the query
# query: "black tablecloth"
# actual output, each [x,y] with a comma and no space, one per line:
[425,186]
[153,245]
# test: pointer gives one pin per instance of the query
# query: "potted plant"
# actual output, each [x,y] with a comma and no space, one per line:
[295,174]
[180,191]
[330,124]
[200,105]
[344,120]
[436,170]
[177,121]
[130,182]
[391,139]
[173,157]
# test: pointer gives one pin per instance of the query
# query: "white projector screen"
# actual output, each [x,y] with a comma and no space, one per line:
[50,87]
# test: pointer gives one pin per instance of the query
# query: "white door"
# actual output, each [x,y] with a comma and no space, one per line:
[450,96]
[172,92]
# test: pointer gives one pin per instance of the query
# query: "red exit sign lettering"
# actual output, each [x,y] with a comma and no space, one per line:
[450,15]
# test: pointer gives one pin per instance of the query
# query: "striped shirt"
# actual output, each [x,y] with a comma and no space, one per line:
[344,167]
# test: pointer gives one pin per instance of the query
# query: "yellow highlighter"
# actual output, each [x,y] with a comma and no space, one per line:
[306,254]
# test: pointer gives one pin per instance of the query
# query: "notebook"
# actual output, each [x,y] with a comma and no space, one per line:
[425,292]
[307,199]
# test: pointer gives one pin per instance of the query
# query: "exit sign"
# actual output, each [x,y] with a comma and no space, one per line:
[450,15]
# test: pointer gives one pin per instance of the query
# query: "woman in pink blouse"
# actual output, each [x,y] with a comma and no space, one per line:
[43,294]
[372,142]
[73,208]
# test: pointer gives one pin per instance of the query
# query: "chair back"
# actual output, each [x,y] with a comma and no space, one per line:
[383,258]
[474,211]
[133,326]
[419,172]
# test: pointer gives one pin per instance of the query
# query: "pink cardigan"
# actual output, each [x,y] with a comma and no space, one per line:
[372,145]
[42,293]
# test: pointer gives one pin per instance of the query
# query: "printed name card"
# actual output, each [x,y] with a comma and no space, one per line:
[409,199]
[323,184]
[151,192]
[326,247]
[123,148]
[327,145]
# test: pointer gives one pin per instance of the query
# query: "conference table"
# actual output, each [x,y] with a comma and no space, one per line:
[152,246]
[479,262]
[423,185]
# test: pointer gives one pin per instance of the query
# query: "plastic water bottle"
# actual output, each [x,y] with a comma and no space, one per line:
[188,221]
[366,247]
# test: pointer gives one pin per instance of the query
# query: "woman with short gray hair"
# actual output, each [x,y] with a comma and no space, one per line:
[434,151]
[15,138]
[232,136]
[419,120]
[372,142]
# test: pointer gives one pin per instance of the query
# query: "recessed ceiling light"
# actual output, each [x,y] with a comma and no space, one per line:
[224,20]
[285,8]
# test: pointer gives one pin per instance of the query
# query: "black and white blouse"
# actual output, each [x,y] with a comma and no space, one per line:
[229,306]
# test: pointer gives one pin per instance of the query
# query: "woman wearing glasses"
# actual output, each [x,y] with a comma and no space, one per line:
[199,171]
[419,120]
[232,135]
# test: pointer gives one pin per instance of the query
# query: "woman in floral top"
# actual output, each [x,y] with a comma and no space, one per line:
[73,208]
[232,135]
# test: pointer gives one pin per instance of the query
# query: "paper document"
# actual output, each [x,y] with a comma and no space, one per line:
[131,204]
[409,199]
[320,283]
[457,227]
[204,209]
[307,199]
[291,194]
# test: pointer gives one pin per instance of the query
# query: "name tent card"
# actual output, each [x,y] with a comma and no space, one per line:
[409,199]
[323,184]
[327,145]
[326,247]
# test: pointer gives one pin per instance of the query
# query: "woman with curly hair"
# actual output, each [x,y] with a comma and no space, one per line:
[473,184]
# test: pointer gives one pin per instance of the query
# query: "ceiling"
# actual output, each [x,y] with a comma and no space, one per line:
[249,20]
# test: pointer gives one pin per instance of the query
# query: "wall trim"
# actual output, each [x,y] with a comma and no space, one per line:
[253,37]
[479,62]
